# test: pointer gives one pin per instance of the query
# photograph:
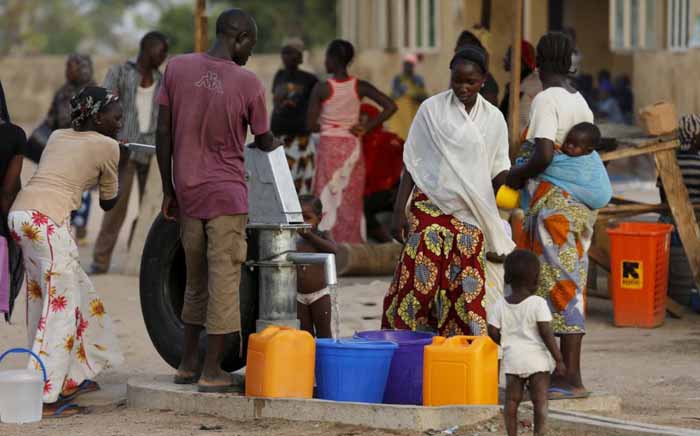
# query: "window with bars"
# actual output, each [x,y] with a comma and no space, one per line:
[636,24]
[417,24]
[406,25]
[683,24]
[633,24]
[677,24]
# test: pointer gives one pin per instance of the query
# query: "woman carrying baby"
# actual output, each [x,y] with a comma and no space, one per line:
[558,224]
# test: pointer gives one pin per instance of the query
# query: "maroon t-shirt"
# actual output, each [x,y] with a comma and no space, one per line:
[212,102]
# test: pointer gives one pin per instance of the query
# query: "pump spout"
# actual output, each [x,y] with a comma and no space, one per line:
[325,259]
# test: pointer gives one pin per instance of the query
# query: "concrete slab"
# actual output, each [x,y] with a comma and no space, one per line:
[109,395]
[597,402]
[160,393]
[601,402]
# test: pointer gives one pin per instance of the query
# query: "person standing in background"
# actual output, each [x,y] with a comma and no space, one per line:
[408,92]
[137,83]
[334,110]
[530,83]
[292,89]
[576,55]
[383,153]
[79,74]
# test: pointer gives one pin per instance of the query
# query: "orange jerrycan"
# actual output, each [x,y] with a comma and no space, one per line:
[280,363]
[461,370]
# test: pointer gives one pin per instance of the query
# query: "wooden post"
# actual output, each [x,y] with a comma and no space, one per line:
[515,64]
[681,208]
[201,39]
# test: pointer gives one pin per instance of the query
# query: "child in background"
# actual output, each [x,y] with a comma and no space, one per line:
[520,323]
[313,297]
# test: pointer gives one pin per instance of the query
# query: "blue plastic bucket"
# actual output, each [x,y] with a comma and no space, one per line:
[353,370]
[405,382]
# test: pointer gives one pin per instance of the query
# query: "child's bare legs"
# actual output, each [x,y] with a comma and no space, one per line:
[514,395]
[321,315]
[539,394]
[305,320]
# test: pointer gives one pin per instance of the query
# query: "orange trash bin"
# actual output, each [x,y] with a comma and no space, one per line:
[461,370]
[280,363]
[638,279]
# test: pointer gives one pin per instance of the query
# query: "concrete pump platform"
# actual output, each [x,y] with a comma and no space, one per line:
[160,393]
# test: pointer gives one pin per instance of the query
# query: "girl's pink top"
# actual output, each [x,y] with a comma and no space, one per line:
[341,110]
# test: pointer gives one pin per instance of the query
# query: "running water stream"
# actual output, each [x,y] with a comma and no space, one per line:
[335,311]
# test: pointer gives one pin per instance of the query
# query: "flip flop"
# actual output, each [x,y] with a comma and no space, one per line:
[186,379]
[565,394]
[85,387]
[64,411]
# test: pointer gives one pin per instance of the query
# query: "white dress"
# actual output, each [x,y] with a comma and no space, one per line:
[524,351]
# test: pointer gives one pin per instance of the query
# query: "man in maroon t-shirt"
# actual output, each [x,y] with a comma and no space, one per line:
[207,104]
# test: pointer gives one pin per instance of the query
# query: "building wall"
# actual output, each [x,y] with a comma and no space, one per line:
[502,19]
[30,83]
[665,75]
[379,65]
[590,19]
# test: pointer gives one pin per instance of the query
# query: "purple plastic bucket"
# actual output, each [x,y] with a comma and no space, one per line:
[405,382]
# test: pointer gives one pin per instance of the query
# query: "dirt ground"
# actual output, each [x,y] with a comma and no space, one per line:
[125,422]
[655,372]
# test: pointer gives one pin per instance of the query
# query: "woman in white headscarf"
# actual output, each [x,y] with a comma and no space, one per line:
[455,156]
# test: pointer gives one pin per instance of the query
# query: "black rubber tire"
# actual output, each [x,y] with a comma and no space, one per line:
[162,289]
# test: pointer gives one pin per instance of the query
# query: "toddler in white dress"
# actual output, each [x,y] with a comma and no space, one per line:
[520,323]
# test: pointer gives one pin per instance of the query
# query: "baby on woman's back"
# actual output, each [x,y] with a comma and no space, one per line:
[578,169]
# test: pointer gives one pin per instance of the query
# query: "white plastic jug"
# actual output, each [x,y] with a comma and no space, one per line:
[21,392]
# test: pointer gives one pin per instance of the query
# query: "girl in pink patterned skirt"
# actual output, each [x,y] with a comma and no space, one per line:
[334,109]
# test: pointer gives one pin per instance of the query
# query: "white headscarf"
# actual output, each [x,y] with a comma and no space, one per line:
[452,157]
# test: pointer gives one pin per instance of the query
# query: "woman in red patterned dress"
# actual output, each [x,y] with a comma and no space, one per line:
[455,156]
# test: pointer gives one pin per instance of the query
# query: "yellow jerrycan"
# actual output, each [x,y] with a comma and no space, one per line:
[461,370]
[280,363]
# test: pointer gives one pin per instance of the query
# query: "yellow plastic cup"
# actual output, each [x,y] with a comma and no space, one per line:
[507,197]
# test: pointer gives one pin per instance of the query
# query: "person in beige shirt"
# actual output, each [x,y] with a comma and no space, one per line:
[68,325]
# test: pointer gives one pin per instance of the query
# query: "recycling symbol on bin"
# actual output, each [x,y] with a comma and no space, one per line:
[632,274]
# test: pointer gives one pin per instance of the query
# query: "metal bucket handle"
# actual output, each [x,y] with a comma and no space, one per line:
[26,351]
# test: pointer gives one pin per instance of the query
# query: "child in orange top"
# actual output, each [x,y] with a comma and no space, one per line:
[313,297]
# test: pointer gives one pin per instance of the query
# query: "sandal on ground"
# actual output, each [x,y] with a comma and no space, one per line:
[85,387]
[565,394]
[64,411]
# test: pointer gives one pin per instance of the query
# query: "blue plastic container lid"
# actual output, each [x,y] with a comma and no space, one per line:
[355,343]
[401,337]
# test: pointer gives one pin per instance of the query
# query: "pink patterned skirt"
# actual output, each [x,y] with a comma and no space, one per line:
[339,183]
